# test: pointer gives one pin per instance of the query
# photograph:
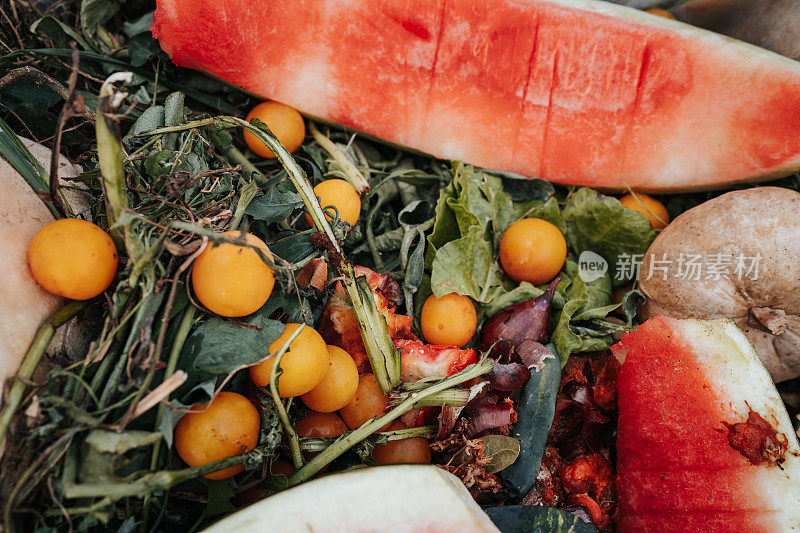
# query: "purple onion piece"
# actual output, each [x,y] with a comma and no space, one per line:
[532,354]
[508,377]
[520,322]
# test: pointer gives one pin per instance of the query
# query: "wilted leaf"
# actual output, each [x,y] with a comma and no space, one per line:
[219,497]
[275,204]
[118,443]
[603,225]
[502,450]
[218,346]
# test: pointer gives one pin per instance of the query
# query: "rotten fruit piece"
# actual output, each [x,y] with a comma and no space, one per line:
[684,386]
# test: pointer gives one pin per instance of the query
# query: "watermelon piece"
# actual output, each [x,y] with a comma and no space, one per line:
[386,499]
[572,91]
[687,389]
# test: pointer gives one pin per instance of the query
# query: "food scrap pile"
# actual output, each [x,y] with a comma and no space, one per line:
[267,300]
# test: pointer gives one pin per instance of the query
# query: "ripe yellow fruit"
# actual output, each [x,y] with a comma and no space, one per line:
[532,250]
[73,258]
[227,426]
[303,365]
[367,403]
[232,280]
[338,386]
[450,319]
[341,195]
[284,121]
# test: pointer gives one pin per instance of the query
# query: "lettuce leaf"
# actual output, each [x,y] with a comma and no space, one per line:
[601,224]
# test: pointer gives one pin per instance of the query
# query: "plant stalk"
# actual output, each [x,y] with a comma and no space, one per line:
[351,173]
[32,359]
[111,156]
[288,427]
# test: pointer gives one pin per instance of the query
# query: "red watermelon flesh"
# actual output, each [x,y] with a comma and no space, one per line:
[573,91]
[682,384]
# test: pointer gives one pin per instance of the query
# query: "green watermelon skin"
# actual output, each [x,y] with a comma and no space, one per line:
[574,91]
[536,519]
[680,382]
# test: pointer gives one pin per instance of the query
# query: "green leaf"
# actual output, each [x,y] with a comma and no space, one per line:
[116,443]
[151,118]
[465,266]
[158,162]
[95,13]
[445,228]
[219,346]
[293,249]
[219,497]
[502,450]
[173,116]
[603,225]
[14,151]
[583,301]
[60,33]
[275,204]
[549,211]
[536,519]
[471,215]
[33,104]
[131,28]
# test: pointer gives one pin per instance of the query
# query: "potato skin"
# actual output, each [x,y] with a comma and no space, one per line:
[747,223]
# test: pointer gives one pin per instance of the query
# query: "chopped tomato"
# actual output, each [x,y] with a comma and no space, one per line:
[432,360]
[339,326]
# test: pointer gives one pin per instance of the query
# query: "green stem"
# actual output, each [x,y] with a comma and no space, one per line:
[348,440]
[351,172]
[288,427]
[172,364]
[448,397]
[157,481]
[111,156]
[32,358]
[233,155]
[316,445]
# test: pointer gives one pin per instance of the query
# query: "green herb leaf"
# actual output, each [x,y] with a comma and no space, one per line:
[502,450]
[275,204]
[219,346]
[219,497]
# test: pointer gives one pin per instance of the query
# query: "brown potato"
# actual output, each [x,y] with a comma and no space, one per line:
[755,229]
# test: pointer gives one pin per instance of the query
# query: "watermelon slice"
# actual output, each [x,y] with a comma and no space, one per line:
[573,91]
[704,442]
[385,499]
